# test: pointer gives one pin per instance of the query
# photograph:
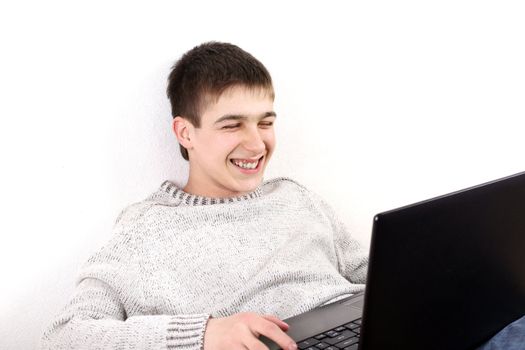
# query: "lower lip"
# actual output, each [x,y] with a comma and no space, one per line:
[250,171]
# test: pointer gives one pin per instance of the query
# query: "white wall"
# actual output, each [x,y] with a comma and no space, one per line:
[379,103]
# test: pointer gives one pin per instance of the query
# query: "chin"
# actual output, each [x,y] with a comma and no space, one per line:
[250,187]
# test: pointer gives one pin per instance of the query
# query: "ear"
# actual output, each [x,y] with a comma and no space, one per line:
[181,128]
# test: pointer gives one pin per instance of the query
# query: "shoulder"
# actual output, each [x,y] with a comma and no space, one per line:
[132,214]
[291,189]
[136,212]
[124,246]
[129,224]
[283,183]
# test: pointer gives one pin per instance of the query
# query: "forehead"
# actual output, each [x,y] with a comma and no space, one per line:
[238,100]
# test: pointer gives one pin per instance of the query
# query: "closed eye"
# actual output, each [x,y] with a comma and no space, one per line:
[266,124]
[231,126]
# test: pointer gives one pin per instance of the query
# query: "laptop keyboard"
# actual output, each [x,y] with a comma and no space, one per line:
[344,337]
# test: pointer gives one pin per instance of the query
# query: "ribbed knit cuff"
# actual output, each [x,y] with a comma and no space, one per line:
[187,331]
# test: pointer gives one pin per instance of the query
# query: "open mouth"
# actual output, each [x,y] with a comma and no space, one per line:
[247,164]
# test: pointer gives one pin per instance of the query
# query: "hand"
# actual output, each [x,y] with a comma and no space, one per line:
[241,331]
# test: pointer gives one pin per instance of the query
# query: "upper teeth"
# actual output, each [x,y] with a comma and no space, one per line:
[246,165]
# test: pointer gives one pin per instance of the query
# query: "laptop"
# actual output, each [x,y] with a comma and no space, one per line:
[445,273]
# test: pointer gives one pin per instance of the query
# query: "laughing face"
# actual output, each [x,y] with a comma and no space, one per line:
[229,152]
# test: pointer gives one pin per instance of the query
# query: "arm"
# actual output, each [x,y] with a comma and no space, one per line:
[96,319]
[104,310]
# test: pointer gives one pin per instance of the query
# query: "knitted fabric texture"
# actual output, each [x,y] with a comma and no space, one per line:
[176,259]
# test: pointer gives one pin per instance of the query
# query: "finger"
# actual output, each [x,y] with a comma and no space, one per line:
[272,331]
[246,338]
[283,325]
[253,343]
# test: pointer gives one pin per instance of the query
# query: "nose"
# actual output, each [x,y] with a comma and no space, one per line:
[253,140]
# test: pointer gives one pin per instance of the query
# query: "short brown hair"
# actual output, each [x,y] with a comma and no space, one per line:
[205,72]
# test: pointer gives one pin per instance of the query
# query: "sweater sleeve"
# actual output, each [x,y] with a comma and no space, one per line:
[104,311]
[96,319]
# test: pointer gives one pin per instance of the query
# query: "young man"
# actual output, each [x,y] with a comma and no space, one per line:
[222,261]
[218,263]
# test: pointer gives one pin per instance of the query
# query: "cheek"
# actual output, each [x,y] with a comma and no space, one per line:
[269,139]
[223,145]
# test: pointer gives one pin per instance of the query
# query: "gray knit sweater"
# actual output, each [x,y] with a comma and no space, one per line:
[176,259]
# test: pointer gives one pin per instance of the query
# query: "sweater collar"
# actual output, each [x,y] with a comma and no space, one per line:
[193,200]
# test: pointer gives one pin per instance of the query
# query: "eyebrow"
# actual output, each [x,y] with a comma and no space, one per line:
[243,117]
